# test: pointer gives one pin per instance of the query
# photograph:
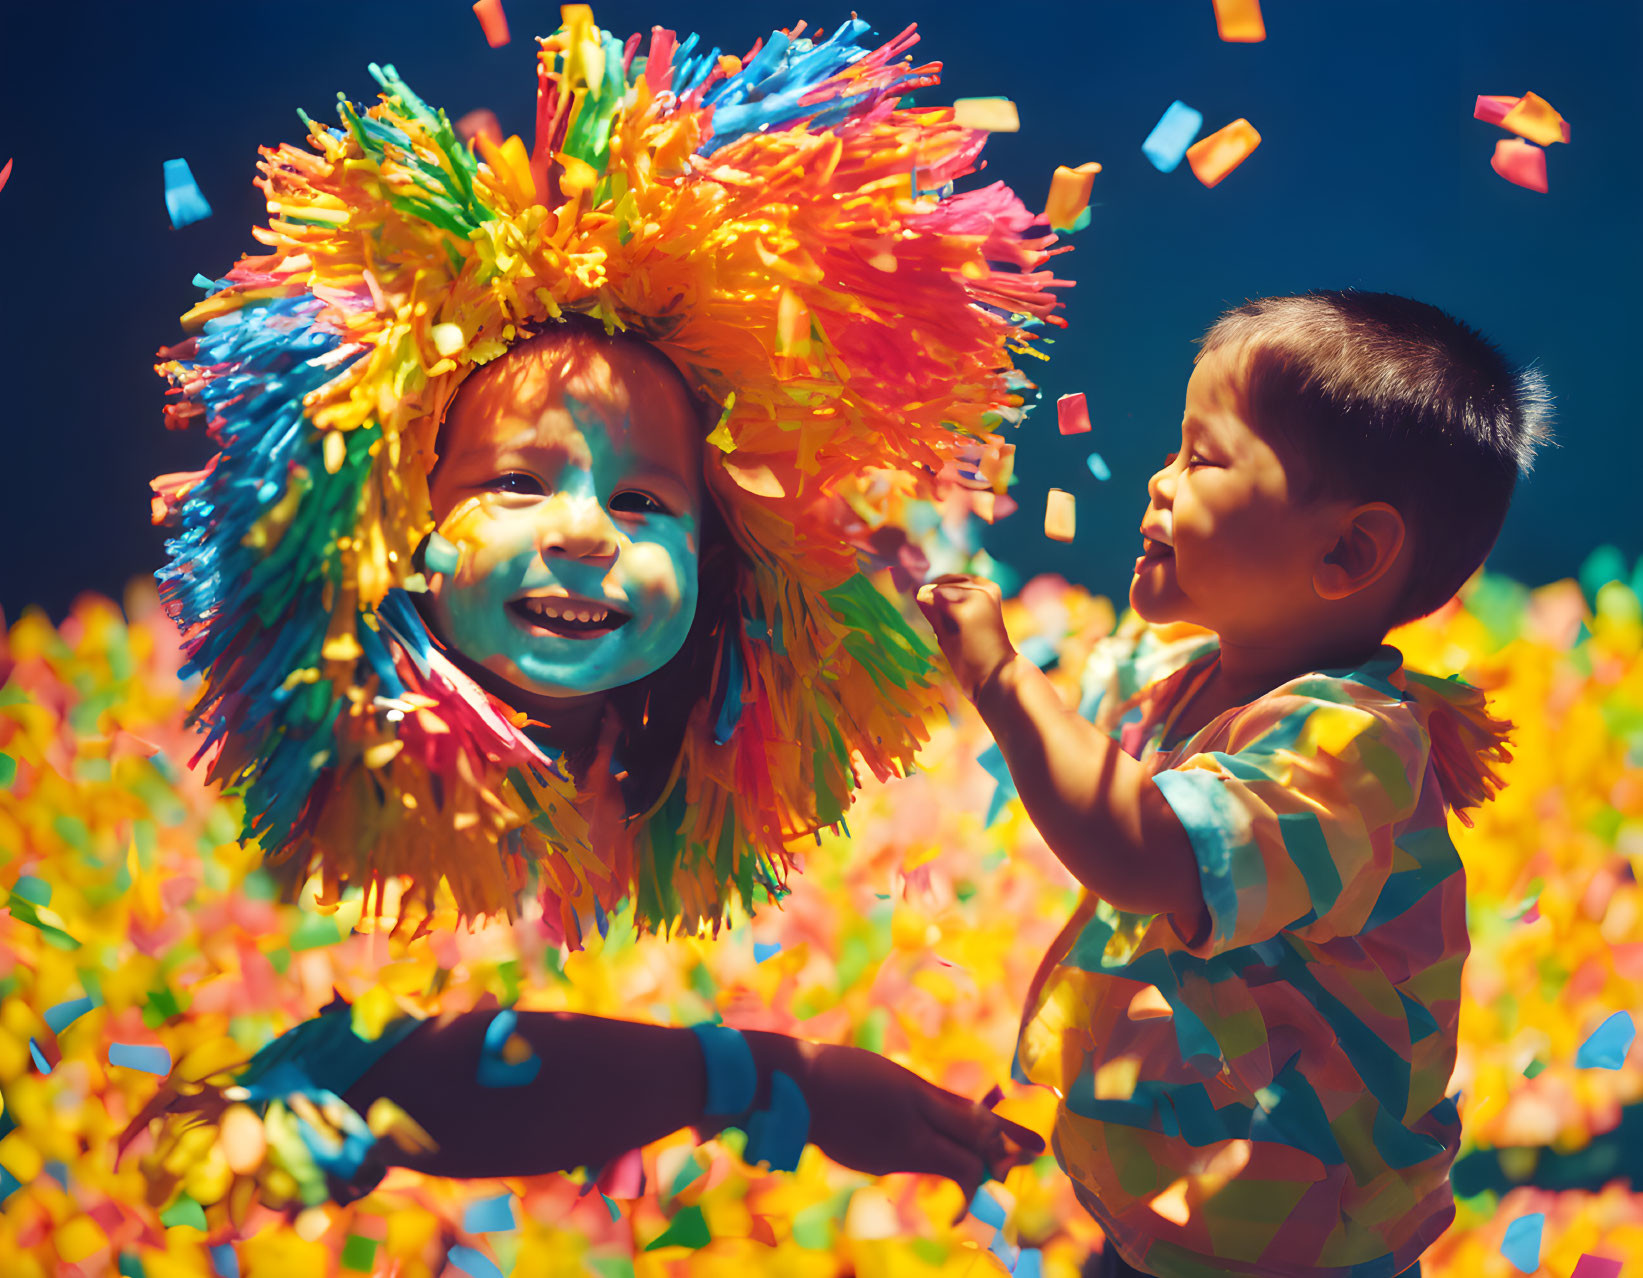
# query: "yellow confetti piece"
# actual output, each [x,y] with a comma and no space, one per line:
[991,115]
[447,338]
[1069,194]
[1536,119]
[335,451]
[1060,515]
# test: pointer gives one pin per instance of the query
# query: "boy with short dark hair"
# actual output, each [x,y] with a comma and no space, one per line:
[1251,1018]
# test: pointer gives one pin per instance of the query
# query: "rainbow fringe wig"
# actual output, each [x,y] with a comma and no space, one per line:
[783,227]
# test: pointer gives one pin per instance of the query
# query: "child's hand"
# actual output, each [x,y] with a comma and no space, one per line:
[967,614]
[871,1114]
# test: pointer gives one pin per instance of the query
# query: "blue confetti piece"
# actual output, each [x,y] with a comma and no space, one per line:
[57,1171]
[493,1070]
[9,1184]
[151,1060]
[225,1262]
[987,1209]
[1098,466]
[489,1215]
[777,1134]
[992,759]
[183,202]
[1521,1245]
[1038,650]
[612,1208]
[761,951]
[473,1263]
[1030,1264]
[1006,1251]
[1608,1045]
[63,1015]
[40,1061]
[1171,136]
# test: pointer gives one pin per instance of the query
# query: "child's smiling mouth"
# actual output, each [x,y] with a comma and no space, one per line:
[566,616]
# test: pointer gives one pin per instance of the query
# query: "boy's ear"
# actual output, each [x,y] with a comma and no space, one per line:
[1368,546]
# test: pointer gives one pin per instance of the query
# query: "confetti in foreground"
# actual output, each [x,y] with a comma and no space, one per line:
[1521,1244]
[489,1215]
[151,1060]
[1521,163]
[1530,116]
[1590,1266]
[992,115]
[1072,414]
[183,202]
[1608,1044]
[1070,195]
[1222,151]
[1239,21]
[1060,515]
[1171,136]
[493,21]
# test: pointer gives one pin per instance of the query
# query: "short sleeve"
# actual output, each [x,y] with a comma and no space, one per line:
[1292,826]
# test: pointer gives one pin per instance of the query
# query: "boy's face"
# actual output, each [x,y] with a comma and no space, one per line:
[1226,547]
[568,501]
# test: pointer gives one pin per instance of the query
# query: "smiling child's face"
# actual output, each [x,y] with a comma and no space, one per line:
[567,501]
[1226,546]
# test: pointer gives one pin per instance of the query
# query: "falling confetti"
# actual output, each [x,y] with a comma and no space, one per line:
[183,202]
[1070,195]
[1098,466]
[1239,21]
[1608,1044]
[1521,1243]
[493,21]
[1214,157]
[1072,414]
[1530,116]
[1521,163]
[1060,515]
[1171,136]
[992,115]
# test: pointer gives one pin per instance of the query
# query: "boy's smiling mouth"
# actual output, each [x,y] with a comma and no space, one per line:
[566,616]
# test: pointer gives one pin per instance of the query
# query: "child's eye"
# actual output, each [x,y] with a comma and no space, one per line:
[633,502]
[516,481]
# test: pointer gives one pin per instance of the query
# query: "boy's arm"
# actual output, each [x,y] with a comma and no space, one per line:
[1095,806]
[606,1086]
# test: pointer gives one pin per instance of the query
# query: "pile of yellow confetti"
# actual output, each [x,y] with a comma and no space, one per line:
[138,939]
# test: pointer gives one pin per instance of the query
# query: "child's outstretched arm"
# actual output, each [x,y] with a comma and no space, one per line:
[1096,807]
[605,1086]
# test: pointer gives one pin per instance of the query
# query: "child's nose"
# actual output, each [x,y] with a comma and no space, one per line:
[1161,487]
[579,529]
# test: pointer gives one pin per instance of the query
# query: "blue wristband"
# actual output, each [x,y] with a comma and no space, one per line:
[732,1078]
[777,1133]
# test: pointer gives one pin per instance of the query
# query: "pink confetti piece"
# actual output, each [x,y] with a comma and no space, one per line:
[1521,163]
[5,174]
[1590,1266]
[1072,414]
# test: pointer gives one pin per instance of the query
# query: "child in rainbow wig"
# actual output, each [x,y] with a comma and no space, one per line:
[1250,1021]
[523,564]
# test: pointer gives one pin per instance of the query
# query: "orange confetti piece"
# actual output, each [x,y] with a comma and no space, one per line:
[493,21]
[1212,158]
[1521,163]
[1535,118]
[1072,414]
[992,115]
[1493,108]
[1069,194]
[1239,21]
[1060,515]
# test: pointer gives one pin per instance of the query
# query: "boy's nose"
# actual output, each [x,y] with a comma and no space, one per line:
[579,529]
[1161,487]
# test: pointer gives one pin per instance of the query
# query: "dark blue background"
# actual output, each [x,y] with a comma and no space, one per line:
[1372,173]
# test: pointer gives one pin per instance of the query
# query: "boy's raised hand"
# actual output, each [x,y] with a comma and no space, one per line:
[967,614]
[869,1113]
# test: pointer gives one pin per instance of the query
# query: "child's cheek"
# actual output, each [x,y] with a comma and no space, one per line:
[485,542]
[652,571]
